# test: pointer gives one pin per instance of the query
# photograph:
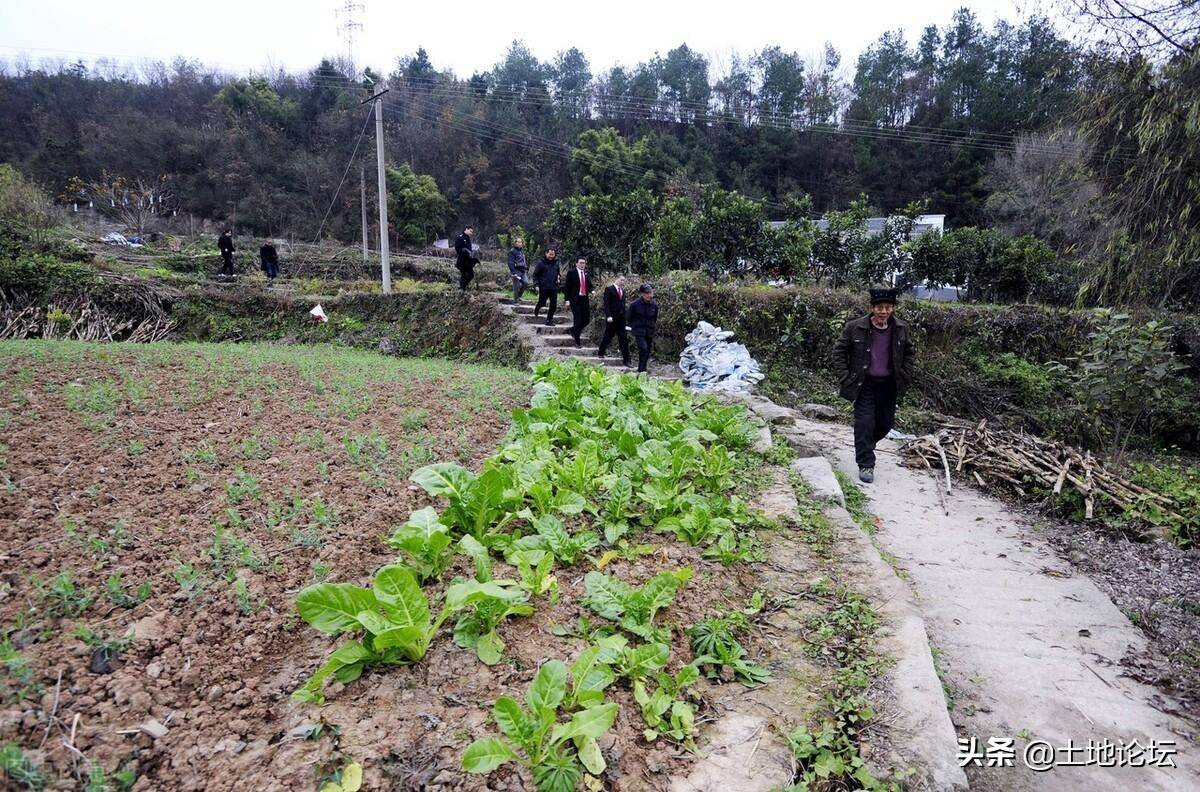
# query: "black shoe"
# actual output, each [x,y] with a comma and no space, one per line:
[627,363]
[866,475]
[600,353]
[578,343]
[535,312]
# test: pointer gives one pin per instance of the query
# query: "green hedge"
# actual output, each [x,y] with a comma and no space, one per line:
[972,360]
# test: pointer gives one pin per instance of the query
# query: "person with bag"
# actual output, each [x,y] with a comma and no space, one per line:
[517,268]
[643,317]
[466,260]
[873,360]
[577,290]
[545,279]
[613,303]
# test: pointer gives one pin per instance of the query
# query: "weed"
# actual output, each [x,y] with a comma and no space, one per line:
[20,769]
[414,419]
[203,454]
[243,486]
[119,596]
[18,682]
[856,502]
[135,447]
[246,604]
[63,597]
[190,580]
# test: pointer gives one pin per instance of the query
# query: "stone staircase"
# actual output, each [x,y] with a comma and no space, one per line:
[556,341]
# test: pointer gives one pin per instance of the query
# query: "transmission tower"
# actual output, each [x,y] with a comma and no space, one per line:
[348,15]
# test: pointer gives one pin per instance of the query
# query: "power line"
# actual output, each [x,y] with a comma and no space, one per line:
[343,180]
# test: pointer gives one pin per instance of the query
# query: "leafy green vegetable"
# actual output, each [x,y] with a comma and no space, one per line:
[535,737]
[393,616]
[714,641]
[634,608]
[478,504]
[476,626]
[426,542]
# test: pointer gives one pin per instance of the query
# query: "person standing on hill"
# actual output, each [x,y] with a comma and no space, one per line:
[873,360]
[545,278]
[577,290]
[643,318]
[517,268]
[269,258]
[613,302]
[225,245]
[466,260]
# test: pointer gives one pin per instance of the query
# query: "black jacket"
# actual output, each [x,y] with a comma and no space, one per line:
[545,273]
[614,305]
[852,356]
[570,287]
[465,251]
[268,254]
[643,316]
[225,243]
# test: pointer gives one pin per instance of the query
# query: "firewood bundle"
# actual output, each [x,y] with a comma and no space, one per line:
[1019,460]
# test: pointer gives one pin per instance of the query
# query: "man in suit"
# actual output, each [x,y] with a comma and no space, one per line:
[225,245]
[613,302]
[576,291]
[466,260]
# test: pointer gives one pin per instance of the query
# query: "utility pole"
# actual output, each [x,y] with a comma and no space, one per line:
[362,192]
[385,263]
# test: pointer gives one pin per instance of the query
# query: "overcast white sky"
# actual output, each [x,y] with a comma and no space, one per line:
[463,36]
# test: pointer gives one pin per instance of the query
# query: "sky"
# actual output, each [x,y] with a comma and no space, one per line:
[465,37]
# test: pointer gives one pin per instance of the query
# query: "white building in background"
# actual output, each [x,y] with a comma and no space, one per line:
[875,225]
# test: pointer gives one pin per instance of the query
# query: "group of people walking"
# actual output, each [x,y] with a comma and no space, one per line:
[268,257]
[620,320]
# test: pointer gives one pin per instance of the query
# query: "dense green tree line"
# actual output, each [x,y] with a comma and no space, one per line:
[680,157]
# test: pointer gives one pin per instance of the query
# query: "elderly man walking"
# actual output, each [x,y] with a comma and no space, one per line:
[874,361]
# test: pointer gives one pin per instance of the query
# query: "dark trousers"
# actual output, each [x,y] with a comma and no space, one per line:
[227,262]
[644,343]
[545,296]
[874,416]
[617,329]
[581,313]
[519,285]
[465,274]
[270,268]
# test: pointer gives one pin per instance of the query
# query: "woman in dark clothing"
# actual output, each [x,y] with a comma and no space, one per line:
[545,277]
[270,259]
[225,245]
[643,316]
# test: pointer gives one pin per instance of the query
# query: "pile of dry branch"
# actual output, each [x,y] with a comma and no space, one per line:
[1020,460]
[80,319]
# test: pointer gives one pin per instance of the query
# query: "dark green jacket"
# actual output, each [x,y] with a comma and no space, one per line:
[852,356]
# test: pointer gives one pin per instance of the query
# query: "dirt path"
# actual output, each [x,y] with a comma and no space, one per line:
[1028,648]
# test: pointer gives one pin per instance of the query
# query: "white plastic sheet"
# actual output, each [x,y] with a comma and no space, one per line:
[710,362]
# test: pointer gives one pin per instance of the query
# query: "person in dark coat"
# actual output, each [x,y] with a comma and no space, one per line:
[873,360]
[225,245]
[613,302]
[576,290]
[466,260]
[545,278]
[269,258]
[643,316]
[517,268]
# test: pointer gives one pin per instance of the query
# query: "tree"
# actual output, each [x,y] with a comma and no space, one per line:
[24,207]
[609,230]
[604,163]
[416,208]
[132,201]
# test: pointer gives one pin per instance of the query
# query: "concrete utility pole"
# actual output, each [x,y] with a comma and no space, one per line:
[362,193]
[385,263]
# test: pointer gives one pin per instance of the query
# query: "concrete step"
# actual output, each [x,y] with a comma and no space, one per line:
[558,328]
[552,340]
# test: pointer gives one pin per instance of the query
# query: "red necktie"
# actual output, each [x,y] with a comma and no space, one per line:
[620,294]
[582,284]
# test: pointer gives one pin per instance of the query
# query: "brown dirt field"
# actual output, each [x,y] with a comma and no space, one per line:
[208,472]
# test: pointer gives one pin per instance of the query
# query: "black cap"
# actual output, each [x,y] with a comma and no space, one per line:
[883,295]
[645,288]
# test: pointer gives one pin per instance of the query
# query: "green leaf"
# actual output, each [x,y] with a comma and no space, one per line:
[444,478]
[397,589]
[590,756]
[484,756]
[334,607]
[489,648]
[606,595]
[471,546]
[591,722]
[548,688]
[511,719]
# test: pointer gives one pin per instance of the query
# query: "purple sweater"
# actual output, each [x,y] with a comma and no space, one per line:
[881,352]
